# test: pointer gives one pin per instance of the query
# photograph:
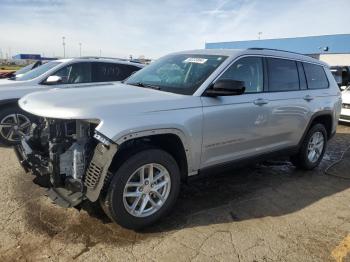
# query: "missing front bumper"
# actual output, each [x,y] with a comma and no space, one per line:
[63,196]
[68,194]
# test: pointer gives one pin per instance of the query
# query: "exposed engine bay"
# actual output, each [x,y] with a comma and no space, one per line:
[70,154]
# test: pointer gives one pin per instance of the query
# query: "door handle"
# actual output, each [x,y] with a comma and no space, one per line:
[260,102]
[308,98]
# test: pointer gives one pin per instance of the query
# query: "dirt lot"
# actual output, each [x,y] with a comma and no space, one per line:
[269,212]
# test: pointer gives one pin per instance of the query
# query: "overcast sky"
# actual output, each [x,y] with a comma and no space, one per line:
[156,27]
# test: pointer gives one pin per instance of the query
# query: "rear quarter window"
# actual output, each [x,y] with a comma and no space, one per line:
[315,76]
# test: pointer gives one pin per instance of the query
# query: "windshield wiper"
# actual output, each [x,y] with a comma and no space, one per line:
[140,84]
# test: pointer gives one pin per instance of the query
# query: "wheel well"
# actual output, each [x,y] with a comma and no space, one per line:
[168,142]
[8,103]
[326,121]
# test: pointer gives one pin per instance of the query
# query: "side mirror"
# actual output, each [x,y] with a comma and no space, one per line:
[226,87]
[52,80]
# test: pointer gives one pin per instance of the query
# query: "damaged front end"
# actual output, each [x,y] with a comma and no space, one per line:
[72,154]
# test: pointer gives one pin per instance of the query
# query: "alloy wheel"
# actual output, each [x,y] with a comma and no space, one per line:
[315,147]
[147,190]
[14,126]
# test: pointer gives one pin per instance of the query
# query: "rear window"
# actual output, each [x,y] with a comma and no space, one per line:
[315,76]
[282,75]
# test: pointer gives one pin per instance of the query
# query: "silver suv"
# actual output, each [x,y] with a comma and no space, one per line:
[130,146]
[63,73]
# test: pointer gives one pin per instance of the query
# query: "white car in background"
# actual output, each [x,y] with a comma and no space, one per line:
[345,111]
[63,73]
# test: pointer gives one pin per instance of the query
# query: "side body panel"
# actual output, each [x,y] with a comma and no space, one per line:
[234,127]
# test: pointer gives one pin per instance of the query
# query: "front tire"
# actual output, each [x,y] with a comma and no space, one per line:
[143,190]
[14,123]
[312,149]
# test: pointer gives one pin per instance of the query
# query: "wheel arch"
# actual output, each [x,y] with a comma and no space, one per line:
[114,155]
[171,140]
[9,102]
[324,117]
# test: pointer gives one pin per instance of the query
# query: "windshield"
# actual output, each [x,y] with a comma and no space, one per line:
[180,74]
[37,71]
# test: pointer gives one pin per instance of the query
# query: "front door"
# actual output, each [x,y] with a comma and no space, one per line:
[236,127]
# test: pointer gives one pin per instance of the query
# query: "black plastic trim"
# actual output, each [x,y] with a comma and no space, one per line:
[241,162]
[321,113]
[9,101]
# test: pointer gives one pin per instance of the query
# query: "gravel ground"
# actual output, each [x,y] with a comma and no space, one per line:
[267,212]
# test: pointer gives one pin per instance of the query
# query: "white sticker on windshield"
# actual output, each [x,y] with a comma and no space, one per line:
[196,60]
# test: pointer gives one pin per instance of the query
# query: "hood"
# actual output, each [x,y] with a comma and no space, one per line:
[12,83]
[346,96]
[6,81]
[103,102]
[10,89]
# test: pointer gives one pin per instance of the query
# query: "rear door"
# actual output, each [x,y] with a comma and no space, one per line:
[289,102]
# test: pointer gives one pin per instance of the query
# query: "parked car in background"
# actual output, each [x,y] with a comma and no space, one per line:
[64,73]
[130,144]
[341,75]
[27,68]
[345,111]
[6,74]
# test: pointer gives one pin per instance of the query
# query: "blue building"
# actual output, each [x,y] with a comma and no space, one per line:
[27,57]
[33,57]
[333,49]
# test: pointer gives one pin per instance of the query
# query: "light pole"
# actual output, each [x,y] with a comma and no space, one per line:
[259,35]
[80,49]
[64,46]
[100,52]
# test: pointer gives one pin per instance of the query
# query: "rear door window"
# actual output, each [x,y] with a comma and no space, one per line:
[128,70]
[282,75]
[315,76]
[105,72]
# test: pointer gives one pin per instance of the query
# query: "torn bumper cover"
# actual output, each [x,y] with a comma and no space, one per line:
[76,168]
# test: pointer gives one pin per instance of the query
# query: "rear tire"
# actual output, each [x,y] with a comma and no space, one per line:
[134,204]
[312,149]
[13,123]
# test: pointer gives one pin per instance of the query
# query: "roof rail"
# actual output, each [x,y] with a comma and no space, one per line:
[101,57]
[273,49]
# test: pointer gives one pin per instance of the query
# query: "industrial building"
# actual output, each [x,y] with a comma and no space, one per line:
[332,49]
[32,57]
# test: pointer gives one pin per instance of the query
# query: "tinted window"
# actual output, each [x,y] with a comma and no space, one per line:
[75,73]
[180,73]
[128,70]
[250,71]
[302,77]
[283,75]
[104,72]
[315,76]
